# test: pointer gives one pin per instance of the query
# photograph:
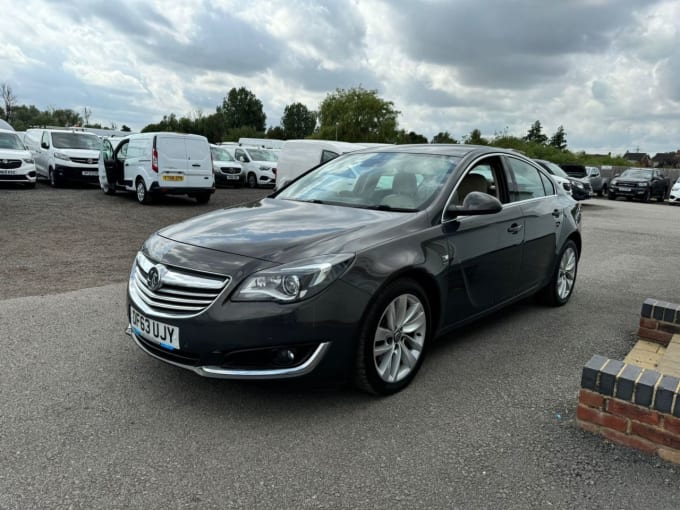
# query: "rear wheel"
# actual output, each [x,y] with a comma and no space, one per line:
[561,286]
[393,339]
[252,180]
[143,196]
[202,198]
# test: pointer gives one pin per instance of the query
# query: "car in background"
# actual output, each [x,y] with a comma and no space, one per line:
[64,155]
[578,172]
[558,175]
[227,170]
[599,183]
[639,183]
[353,269]
[16,162]
[259,165]
[674,197]
[157,164]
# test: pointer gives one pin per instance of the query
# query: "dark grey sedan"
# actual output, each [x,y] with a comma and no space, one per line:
[354,268]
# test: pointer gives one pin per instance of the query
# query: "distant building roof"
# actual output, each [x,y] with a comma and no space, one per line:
[635,156]
[666,159]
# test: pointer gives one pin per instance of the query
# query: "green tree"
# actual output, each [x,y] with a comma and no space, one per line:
[9,100]
[535,134]
[276,132]
[241,108]
[298,121]
[411,137]
[357,115]
[232,135]
[443,137]
[559,139]
[125,128]
[475,138]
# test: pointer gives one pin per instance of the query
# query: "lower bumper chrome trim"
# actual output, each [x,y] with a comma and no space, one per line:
[228,373]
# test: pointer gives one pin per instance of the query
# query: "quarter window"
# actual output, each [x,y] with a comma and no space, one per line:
[328,155]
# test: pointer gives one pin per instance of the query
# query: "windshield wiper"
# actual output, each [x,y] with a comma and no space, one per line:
[383,207]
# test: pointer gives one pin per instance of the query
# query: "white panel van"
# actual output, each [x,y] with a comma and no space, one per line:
[298,156]
[154,164]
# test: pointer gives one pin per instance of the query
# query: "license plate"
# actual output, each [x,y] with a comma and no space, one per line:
[173,177]
[89,173]
[165,335]
[624,189]
[232,177]
[8,172]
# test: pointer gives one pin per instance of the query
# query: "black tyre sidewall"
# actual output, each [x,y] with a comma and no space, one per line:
[365,361]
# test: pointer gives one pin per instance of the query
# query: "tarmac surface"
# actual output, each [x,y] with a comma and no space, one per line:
[89,421]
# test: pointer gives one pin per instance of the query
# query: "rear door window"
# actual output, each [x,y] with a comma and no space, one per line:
[171,147]
[197,150]
[527,182]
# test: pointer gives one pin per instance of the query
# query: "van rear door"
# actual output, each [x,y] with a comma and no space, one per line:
[198,156]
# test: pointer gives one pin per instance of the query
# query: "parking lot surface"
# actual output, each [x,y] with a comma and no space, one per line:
[89,421]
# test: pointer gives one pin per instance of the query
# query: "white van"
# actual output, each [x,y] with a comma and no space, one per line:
[298,156]
[258,164]
[154,164]
[16,162]
[64,154]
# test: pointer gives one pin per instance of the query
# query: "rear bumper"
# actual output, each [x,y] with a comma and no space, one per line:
[157,189]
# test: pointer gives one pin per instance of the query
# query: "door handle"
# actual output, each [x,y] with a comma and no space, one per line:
[514,228]
[196,165]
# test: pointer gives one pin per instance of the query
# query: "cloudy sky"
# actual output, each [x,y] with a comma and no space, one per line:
[608,71]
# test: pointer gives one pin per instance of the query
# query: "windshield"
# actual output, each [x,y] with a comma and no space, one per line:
[637,173]
[382,180]
[75,141]
[262,155]
[221,155]
[11,141]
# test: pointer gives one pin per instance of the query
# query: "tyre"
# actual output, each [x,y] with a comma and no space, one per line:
[561,286]
[143,196]
[202,198]
[611,196]
[251,181]
[55,181]
[393,338]
[108,189]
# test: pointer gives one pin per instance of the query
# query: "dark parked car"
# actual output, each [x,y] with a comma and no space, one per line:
[575,187]
[641,183]
[579,174]
[356,266]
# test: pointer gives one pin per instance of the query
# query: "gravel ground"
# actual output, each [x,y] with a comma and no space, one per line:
[54,240]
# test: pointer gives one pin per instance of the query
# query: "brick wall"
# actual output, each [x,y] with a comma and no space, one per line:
[635,406]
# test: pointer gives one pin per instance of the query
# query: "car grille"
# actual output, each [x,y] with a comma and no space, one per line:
[587,186]
[627,184]
[230,170]
[85,161]
[18,177]
[10,163]
[182,294]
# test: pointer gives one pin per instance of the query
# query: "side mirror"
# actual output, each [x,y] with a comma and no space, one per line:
[44,145]
[476,203]
[617,174]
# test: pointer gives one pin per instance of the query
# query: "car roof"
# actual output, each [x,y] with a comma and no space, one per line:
[459,150]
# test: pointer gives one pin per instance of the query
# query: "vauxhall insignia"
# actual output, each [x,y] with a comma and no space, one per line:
[154,278]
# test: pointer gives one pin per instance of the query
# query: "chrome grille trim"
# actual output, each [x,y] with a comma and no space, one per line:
[183,293]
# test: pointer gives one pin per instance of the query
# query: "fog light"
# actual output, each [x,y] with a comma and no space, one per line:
[284,357]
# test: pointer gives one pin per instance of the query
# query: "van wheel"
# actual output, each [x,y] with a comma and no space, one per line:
[55,181]
[202,198]
[252,180]
[143,196]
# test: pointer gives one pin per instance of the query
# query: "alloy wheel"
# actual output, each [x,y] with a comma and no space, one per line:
[399,339]
[566,273]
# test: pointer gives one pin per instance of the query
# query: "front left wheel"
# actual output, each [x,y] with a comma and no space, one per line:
[393,338]
[561,286]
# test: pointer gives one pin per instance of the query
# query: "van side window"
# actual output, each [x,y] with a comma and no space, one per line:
[46,139]
[327,155]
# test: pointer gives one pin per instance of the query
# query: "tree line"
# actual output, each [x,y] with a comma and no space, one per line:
[351,115]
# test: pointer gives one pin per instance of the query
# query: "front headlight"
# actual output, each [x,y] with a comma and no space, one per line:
[643,184]
[61,155]
[579,185]
[295,281]
[265,168]
[615,182]
[29,161]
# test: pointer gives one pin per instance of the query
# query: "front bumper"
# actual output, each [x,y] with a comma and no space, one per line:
[244,340]
[674,197]
[628,191]
[228,179]
[19,175]
[580,194]
[87,174]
